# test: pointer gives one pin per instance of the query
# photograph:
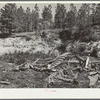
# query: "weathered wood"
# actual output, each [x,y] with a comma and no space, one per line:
[45,59]
[79,57]
[4,82]
[65,79]
[35,61]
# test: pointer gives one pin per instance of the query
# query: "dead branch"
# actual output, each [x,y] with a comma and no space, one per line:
[35,61]
[79,57]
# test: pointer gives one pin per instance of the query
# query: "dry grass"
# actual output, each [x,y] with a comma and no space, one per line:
[21,57]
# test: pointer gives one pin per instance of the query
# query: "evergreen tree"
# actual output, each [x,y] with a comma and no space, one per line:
[71,17]
[21,20]
[8,13]
[93,13]
[84,16]
[60,15]
[97,14]
[84,22]
[33,19]
[28,19]
[47,14]
[36,18]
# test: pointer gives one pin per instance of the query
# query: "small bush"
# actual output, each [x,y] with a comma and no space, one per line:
[19,61]
[81,47]
[65,35]
[28,38]
[95,38]
[94,52]
[78,48]
[62,48]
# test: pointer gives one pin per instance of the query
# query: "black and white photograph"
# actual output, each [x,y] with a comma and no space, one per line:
[49,45]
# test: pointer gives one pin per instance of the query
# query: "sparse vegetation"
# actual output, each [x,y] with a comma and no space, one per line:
[27,37]
[22,57]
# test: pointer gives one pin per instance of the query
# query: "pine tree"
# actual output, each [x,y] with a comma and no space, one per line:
[71,17]
[28,19]
[60,15]
[33,19]
[97,14]
[84,22]
[8,13]
[47,14]
[36,17]
[93,13]
[21,20]
[84,16]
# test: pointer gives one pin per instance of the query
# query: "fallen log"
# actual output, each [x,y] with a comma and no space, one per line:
[4,82]
[45,65]
[45,59]
[65,79]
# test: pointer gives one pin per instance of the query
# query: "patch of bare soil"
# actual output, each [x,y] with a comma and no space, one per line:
[21,79]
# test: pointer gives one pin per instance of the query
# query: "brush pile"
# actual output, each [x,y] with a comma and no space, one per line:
[72,70]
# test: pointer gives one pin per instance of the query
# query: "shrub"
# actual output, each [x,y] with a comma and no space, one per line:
[94,52]
[95,38]
[28,38]
[65,35]
[61,48]
[78,48]
[76,36]
[81,47]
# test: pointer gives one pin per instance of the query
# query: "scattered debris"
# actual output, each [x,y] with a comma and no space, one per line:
[93,76]
[61,68]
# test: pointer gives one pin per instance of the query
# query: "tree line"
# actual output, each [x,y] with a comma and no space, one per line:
[15,19]
[79,22]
